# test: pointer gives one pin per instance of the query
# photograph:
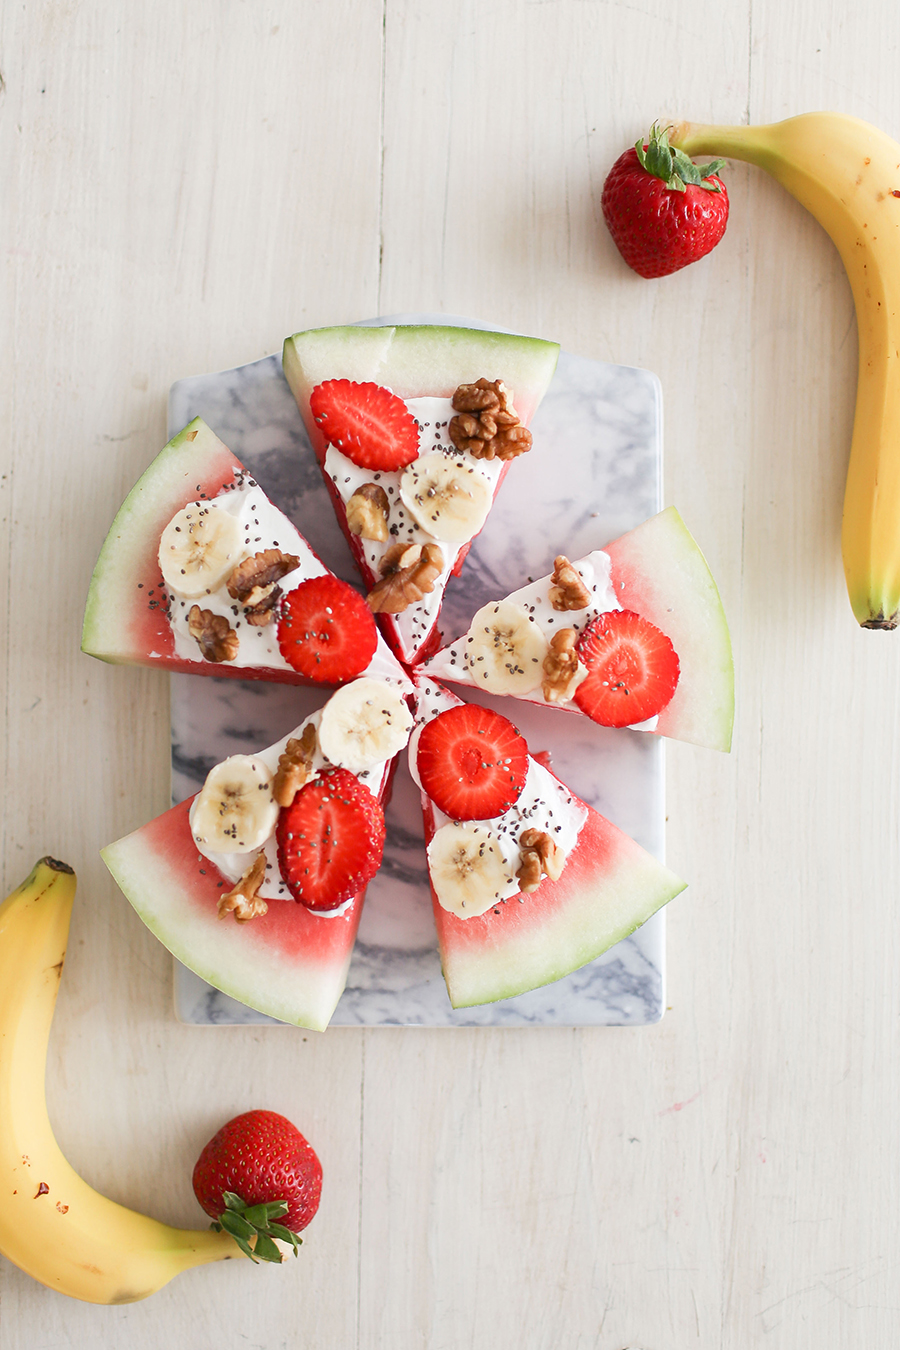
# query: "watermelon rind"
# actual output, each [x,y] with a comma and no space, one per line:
[415,360]
[175,893]
[126,620]
[165,486]
[659,571]
[609,887]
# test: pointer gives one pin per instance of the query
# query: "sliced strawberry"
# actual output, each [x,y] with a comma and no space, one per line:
[633,669]
[472,762]
[326,630]
[330,839]
[366,422]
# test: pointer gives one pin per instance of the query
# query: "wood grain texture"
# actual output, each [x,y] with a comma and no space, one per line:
[184,187]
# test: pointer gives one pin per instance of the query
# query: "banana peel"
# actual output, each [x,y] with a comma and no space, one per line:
[847,174]
[53,1225]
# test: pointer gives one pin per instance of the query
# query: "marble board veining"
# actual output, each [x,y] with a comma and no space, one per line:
[594,471]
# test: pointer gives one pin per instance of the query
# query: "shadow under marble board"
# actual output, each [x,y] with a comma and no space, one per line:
[594,472]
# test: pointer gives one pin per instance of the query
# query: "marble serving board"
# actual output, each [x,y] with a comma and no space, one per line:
[594,471]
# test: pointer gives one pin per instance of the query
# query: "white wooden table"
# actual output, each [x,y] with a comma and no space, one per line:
[182,186]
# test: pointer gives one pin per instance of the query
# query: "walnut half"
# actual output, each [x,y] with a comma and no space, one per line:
[540,857]
[262,613]
[408,571]
[368,511]
[294,766]
[243,900]
[567,589]
[487,425]
[561,667]
[213,633]
[252,577]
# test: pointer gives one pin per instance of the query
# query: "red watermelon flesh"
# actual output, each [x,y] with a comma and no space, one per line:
[288,963]
[126,615]
[416,362]
[609,886]
[658,572]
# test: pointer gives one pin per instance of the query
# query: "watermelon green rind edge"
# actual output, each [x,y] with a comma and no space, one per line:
[407,357]
[163,488]
[659,571]
[583,926]
[668,581]
[304,997]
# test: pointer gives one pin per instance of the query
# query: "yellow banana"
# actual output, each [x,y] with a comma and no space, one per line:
[847,174]
[52,1224]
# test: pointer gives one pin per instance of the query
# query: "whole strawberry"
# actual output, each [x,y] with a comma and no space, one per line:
[663,210]
[256,1170]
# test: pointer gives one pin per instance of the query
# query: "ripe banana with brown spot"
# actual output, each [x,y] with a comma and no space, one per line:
[847,174]
[52,1224]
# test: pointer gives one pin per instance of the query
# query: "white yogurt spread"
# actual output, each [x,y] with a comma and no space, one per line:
[433,417]
[263,527]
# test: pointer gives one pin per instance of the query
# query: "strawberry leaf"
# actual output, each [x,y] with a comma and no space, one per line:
[241,1241]
[285,1234]
[673,166]
[237,1225]
[266,1250]
[261,1215]
[707,170]
[685,167]
[254,1229]
[657,157]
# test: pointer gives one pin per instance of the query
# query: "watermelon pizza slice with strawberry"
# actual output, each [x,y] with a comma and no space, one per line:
[257,882]
[415,427]
[630,635]
[201,572]
[528,882]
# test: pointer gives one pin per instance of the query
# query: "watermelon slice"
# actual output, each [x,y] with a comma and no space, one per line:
[132,617]
[290,962]
[359,390]
[655,571]
[513,942]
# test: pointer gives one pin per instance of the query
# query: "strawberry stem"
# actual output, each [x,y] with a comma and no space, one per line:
[255,1224]
[673,166]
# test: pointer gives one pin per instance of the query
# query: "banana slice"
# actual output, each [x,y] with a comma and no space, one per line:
[235,810]
[199,549]
[364,724]
[505,649]
[467,869]
[447,496]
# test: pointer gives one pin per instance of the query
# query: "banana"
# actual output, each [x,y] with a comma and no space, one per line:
[199,549]
[52,1224]
[363,724]
[235,810]
[447,496]
[847,174]
[505,649]
[467,869]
